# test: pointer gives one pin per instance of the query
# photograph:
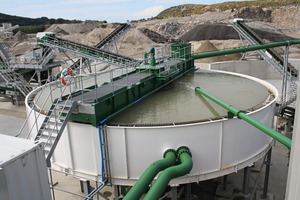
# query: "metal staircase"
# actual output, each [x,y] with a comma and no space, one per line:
[4,53]
[54,125]
[87,51]
[47,56]
[289,72]
[9,75]
[113,35]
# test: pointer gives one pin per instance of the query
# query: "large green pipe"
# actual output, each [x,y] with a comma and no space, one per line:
[142,185]
[245,49]
[240,114]
[168,174]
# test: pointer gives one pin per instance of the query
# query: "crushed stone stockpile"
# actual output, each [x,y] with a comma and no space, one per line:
[210,32]
[225,32]
[205,46]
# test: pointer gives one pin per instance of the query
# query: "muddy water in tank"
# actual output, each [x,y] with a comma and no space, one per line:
[180,104]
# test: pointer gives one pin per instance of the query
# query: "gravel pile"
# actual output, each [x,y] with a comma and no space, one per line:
[225,32]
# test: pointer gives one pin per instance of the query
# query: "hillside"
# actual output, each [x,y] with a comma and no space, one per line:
[25,21]
[197,9]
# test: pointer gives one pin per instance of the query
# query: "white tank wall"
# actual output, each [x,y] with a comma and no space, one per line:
[218,147]
[78,151]
[257,68]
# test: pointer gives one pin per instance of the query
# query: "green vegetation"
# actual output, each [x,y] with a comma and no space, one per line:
[31,29]
[196,9]
[30,25]
[25,21]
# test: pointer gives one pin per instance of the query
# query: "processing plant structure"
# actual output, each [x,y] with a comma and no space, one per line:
[157,119]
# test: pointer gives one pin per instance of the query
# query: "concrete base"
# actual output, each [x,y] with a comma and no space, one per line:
[230,193]
[260,193]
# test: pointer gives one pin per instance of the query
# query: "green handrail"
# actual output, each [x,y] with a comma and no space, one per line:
[240,114]
[168,174]
[142,185]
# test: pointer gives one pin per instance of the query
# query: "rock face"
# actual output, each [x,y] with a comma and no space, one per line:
[288,18]
[256,14]
[154,36]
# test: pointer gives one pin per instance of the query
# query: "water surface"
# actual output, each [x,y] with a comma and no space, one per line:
[181,104]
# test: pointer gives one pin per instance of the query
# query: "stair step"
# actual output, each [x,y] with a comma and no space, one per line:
[65,110]
[53,120]
[64,107]
[48,145]
[46,150]
[62,118]
[50,130]
[48,137]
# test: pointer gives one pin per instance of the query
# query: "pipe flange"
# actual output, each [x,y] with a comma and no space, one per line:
[237,114]
[167,151]
[183,149]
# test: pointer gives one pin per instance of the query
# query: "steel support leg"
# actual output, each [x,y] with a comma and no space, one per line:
[267,173]
[188,190]
[38,74]
[85,186]
[224,182]
[246,182]
[116,192]
[174,193]
[51,183]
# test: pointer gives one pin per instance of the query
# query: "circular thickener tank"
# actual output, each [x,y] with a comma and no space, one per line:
[173,117]
[177,116]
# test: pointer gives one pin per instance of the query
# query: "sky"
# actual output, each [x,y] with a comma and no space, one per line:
[109,10]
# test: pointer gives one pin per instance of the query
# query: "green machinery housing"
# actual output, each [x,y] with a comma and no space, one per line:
[148,77]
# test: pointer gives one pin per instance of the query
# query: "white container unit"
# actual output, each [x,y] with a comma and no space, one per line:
[23,171]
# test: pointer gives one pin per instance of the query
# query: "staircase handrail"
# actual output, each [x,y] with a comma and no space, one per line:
[32,108]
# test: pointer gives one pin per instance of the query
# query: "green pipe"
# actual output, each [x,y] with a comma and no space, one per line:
[142,185]
[168,174]
[240,114]
[245,49]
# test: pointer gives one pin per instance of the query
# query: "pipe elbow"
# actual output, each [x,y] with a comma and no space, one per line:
[197,88]
[184,149]
[185,156]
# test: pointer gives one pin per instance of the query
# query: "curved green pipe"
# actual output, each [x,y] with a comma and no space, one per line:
[168,174]
[240,114]
[245,49]
[142,185]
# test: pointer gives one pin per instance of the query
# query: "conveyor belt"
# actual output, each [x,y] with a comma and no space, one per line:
[254,39]
[87,51]
[112,35]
